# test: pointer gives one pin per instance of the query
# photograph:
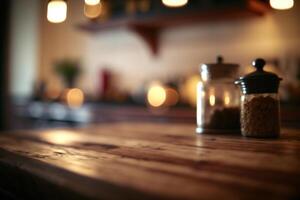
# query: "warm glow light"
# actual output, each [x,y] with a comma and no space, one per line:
[226,98]
[212,100]
[61,137]
[74,98]
[172,97]
[92,2]
[93,11]
[156,95]
[282,4]
[212,97]
[175,3]
[190,89]
[57,11]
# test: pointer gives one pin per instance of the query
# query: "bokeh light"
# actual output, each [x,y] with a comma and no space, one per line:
[92,2]
[282,4]
[57,11]
[189,89]
[92,11]
[156,95]
[74,97]
[172,97]
[175,3]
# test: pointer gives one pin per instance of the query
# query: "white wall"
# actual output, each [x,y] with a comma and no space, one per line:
[59,41]
[24,42]
[182,49]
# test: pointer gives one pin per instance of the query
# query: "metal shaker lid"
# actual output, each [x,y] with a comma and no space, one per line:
[218,70]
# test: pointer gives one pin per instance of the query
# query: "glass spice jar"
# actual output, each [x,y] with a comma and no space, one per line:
[218,98]
[260,111]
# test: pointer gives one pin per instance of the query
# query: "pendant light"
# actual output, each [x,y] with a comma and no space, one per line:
[92,12]
[174,3]
[282,4]
[56,11]
[92,2]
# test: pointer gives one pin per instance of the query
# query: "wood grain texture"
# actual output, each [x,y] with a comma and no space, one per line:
[148,161]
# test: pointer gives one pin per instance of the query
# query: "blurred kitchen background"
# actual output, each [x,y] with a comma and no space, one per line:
[79,62]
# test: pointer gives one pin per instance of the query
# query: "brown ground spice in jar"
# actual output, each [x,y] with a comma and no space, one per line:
[260,117]
[224,119]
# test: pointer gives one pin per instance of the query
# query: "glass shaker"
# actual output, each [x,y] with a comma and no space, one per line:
[218,98]
[260,111]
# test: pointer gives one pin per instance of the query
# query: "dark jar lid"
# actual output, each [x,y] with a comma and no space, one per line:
[259,81]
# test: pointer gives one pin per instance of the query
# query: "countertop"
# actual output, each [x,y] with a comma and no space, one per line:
[147,161]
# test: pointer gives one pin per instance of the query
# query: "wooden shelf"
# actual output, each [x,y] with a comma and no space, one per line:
[148,27]
[148,33]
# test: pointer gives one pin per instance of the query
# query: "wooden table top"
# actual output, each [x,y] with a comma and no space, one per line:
[148,161]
